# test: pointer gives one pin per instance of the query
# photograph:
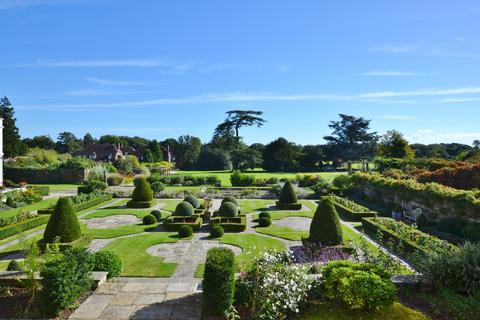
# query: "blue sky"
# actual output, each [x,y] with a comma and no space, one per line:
[161,69]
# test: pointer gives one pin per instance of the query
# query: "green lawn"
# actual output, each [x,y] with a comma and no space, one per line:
[136,261]
[332,311]
[249,206]
[200,270]
[251,244]
[46,203]
[168,204]
[59,187]
[139,213]
[116,232]
[4,264]
[224,176]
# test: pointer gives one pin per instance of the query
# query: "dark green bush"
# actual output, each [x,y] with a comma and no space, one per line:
[359,285]
[14,266]
[157,186]
[264,214]
[157,214]
[64,280]
[216,231]
[193,201]
[185,231]
[457,270]
[264,222]
[63,223]
[239,179]
[142,192]
[325,227]
[149,219]
[218,281]
[114,179]
[106,260]
[25,225]
[288,195]
[230,199]
[422,221]
[184,209]
[228,209]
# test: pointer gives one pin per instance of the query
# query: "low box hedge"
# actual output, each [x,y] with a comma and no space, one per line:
[288,206]
[173,223]
[82,206]
[351,215]
[230,224]
[408,248]
[14,229]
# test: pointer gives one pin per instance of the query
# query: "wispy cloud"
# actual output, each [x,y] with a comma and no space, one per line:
[398,117]
[395,74]
[120,83]
[96,93]
[428,135]
[244,97]
[392,48]
[458,100]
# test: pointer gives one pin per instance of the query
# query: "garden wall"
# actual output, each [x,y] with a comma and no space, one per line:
[45,175]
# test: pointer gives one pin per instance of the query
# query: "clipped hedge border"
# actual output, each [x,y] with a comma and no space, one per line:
[14,229]
[352,215]
[140,204]
[169,225]
[230,226]
[410,248]
[81,206]
[288,206]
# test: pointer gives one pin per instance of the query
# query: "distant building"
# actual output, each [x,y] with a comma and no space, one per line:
[107,152]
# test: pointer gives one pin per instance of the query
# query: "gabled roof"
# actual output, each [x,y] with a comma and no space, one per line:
[101,151]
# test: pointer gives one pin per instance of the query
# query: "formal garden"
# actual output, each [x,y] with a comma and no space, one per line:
[307,248]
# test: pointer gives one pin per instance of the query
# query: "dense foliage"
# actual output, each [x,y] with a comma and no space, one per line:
[325,228]
[228,209]
[149,219]
[288,194]
[185,231]
[63,223]
[218,281]
[107,260]
[184,208]
[193,201]
[216,231]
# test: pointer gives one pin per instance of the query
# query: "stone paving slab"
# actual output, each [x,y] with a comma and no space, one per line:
[113,221]
[295,223]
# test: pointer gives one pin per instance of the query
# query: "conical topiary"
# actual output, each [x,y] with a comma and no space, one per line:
[14,266]
[142,192]
[288,194]
[325,227]
[63,223]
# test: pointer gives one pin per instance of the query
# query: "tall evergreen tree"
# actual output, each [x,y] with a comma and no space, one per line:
[394,145]
[67,142]
[12,145]
[88,140]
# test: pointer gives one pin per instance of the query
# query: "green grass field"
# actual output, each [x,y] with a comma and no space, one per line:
[224,176]
[46,203]
[136,261]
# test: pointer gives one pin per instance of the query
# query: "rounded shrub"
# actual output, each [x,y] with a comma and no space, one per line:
[325,227]
[193,201]
[114,179]
[216,231]
[142,192]
[264,222]
[149,219]
[109,261]
[264,214]
[230,199]
[63,223]
[184,208]
[185,231]
[157,214]
[157,186]
[14,266]
[288,195]
[228,209]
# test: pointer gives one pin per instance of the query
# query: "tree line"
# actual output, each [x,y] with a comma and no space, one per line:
[351,139]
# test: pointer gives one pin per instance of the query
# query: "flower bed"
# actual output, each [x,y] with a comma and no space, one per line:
[413,241]
[351,210]
[230,224]
[83,202]
[173,223]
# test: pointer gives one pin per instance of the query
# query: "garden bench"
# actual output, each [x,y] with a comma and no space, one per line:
[411,216]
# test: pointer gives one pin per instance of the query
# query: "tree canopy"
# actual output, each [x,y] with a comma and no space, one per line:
[12,145]
[394,145]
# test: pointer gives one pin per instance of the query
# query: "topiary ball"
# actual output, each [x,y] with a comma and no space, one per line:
[325,228]
[264,214]
[184,208]
[63,223]
[149,219]
[106,260]
[193,201]
[14,266]
[264,222]
[157,214]
[228,209]
[288,195]
[230,199]
[185,231]
[216,231]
